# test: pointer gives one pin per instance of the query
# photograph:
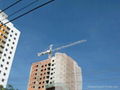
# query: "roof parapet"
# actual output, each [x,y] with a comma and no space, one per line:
[3,15]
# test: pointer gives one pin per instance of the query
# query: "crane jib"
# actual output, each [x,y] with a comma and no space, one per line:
[49,52]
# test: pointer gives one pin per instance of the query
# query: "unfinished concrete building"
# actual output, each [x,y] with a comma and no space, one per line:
[60,72]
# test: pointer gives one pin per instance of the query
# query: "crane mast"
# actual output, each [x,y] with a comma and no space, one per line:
[51,50]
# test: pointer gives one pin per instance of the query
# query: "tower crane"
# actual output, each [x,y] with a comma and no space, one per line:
[51,50]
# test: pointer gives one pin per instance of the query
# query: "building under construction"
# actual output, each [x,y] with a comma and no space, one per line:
[60,72]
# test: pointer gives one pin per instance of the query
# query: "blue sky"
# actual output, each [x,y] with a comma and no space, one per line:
[65,21]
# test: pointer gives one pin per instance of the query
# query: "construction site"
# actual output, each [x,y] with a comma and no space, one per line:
[58,72]
[59,45]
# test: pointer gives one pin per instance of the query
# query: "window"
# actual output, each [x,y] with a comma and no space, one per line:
[34,82]
[10,52]
[3,42]
[3,60]
[4,74]
[9,40]
[6,32]
[49,64]
[9,57]
[0,52]
[6,49]
[13,42]
[47,81]
[49,68]
[16,34]
[7,62]
[1,65]
[2,46]
[41,70]
[48,72]
[11,47]
[14,38]
[6,68]
[4,54]
[3,80]
[47,76]
[36,65]
[40,78]
[7,44]
[8,28]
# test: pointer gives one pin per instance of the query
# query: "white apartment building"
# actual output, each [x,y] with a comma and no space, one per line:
[60,72]
[9,36]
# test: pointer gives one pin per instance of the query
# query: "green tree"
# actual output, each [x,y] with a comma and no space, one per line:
[9,87]
[2,88]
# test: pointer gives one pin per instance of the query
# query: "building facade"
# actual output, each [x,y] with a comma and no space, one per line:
[9,36]
[60,72]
